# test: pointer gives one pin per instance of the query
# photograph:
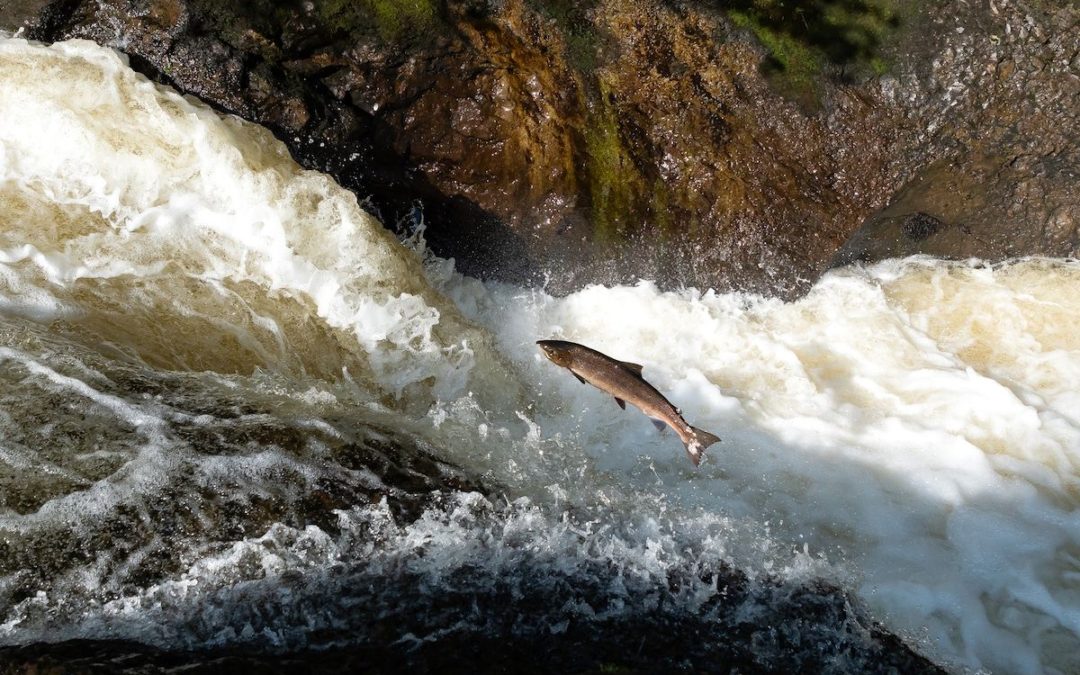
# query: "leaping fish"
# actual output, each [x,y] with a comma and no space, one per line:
[624,381]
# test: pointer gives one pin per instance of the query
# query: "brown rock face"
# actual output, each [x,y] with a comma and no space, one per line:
[15,13]
[600,141]
[998,158]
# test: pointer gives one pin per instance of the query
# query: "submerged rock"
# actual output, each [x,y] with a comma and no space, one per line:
[586,613]
[733,145]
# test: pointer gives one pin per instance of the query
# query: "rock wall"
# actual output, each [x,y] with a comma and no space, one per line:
[995,153]
[728,144]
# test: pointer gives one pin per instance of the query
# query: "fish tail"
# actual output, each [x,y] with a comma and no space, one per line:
[696,442]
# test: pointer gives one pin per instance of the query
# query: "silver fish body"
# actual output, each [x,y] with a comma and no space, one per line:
[623,380]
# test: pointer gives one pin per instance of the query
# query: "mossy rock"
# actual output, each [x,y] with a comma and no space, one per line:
[391,20]
[803,38]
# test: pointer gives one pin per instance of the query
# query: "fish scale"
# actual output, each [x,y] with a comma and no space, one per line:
[624,381]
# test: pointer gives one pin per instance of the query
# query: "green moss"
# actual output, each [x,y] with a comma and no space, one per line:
[620,194]
[391,20]
[610,170]
[611,177]
[793,66]
[801,38]
[581,51]
[579,32]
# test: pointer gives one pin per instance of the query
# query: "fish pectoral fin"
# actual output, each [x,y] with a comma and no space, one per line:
[580,378]
[636,367]
[660,425]
[622,403]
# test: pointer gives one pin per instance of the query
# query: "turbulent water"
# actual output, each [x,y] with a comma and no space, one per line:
[225,391]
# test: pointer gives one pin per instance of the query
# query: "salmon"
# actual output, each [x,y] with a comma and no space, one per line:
[623,380]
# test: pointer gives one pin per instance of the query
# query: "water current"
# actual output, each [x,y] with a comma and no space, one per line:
[227,394]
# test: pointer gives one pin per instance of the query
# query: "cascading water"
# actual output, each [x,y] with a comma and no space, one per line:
[227,394]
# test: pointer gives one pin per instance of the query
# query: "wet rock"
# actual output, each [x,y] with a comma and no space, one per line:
[18,14]
[1001,119]
[733,146]
[486,625]
[919,226]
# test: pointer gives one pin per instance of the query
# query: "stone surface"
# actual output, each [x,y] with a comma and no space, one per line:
[14,14]
[997,157]
[733,145]
[483,626]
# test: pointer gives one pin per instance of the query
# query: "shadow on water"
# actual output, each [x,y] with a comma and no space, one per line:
[268,529]
[584,617]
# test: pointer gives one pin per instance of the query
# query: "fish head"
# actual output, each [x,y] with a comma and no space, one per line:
[557,351]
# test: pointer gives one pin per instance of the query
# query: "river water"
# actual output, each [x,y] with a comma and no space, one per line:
[212,363]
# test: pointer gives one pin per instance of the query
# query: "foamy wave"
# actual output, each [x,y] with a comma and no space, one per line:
[915,419]
[197,242]
[908,430]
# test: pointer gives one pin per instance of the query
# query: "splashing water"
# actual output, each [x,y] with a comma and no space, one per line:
[200,343]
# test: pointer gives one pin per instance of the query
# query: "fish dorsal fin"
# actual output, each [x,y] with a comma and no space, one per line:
[636,367]
[580,378]
[622,403]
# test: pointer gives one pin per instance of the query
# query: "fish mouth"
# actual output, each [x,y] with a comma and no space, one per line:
[548,350]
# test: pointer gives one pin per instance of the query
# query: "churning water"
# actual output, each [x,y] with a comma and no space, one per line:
[209,359]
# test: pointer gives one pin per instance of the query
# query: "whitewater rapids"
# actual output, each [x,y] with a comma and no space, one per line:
[171,282]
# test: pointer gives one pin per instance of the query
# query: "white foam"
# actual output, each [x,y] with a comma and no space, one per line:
[126,193]
[914,424]
[892,418]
